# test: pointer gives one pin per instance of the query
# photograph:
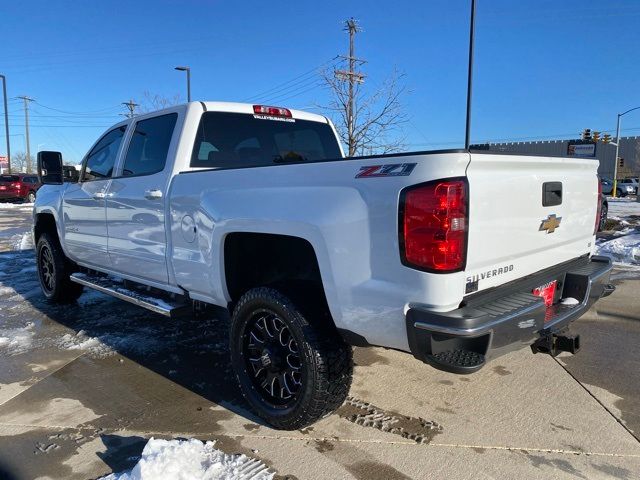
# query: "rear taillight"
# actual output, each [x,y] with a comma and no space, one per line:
[433,225]
[599,208]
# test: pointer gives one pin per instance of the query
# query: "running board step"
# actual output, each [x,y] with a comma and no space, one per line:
[164,306]
[457,361]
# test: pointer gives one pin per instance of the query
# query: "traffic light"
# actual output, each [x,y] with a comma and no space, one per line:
[620,162]
[586,134]
[596,136]
[606,138]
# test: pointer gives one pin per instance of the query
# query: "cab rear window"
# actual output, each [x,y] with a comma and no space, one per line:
[234,140]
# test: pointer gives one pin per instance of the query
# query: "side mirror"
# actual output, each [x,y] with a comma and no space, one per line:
[50,168]
[70,174]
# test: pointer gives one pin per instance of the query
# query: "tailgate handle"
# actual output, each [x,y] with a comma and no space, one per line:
[551,194]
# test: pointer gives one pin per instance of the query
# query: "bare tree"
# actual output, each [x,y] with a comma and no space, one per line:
[153,101]
[19,162]
[378,116]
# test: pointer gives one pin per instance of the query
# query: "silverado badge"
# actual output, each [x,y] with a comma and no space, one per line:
[550,223]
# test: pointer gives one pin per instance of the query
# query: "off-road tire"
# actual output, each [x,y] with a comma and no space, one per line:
[54,269]
[326,361]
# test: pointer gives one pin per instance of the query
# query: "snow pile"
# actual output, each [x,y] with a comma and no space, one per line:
[82,341]
[24,242]
[192,460]
[624,249]
[16,340]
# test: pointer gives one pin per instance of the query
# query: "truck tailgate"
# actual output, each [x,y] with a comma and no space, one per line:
[511,233]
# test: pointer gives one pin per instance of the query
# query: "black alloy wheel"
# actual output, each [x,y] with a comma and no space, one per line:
[46,269]
[54,270]
[272,357]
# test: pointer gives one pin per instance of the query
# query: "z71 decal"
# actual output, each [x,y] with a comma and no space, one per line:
[391,170]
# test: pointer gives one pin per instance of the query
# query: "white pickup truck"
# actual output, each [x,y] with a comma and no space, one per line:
[455,256]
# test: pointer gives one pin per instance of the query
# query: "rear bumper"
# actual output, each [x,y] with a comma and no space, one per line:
[510,318]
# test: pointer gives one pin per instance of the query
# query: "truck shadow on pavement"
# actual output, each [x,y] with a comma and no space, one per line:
[191,352]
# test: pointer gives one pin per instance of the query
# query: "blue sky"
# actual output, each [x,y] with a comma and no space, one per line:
[543,68]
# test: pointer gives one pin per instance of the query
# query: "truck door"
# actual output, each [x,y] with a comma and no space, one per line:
[136,201]
[83,204]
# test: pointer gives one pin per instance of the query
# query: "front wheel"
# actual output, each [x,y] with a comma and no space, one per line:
[291,371]
[54,270]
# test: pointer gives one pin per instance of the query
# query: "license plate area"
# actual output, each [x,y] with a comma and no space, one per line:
[547,292]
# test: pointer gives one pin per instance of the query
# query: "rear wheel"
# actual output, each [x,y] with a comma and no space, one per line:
[31,197]
[54,270]
[290,370]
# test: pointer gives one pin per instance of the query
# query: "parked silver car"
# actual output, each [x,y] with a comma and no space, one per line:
[622,190]
[630,181]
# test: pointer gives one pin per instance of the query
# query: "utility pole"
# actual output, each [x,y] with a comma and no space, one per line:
[26,125]
[352,77]
[6,121]
[131,106]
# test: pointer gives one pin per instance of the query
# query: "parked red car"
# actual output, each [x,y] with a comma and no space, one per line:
[19,186]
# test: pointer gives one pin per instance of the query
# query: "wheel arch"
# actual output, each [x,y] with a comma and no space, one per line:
[44,222]
[287,263]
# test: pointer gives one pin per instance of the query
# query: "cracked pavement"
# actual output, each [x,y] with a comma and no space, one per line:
[84,386]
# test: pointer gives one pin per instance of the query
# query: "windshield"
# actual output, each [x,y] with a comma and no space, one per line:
[233,140]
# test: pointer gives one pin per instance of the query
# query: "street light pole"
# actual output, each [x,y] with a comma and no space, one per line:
[467,135]
[188,70]
[6,121]
[615,165]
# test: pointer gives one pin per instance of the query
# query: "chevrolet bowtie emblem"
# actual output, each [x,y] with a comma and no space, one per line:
[551,223]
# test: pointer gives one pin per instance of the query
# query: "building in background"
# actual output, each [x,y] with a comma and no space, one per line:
[4,164]
[629,165]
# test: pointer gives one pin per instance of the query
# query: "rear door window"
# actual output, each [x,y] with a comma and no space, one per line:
[234,140]
[149,145]
[102,158]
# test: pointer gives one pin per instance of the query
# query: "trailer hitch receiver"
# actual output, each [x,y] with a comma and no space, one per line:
[554,343]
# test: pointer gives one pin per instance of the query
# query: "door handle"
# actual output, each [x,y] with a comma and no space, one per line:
[102,195]
[153,194]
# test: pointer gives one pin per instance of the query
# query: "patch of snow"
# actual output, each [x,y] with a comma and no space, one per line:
[14,206]
[569,301]
[24,242]
[82,341]
[191,459]
[624,250]
[622,207]
[16,340]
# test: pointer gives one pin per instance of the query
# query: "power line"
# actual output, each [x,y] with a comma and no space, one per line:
[286,84]
[117,107]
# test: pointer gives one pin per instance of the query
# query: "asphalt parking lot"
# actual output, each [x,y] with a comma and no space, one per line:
[83,387]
